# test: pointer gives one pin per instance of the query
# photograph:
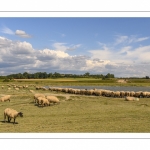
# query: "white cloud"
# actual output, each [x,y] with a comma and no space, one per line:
[6,30]
[121,39]
[128,39]
[63,47]
[22,34]
[142,39]
[102,54]
[21,56]
[19,33]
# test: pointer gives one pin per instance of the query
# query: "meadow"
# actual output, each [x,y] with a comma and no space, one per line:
[75,113]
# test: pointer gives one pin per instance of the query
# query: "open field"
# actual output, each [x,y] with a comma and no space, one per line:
[74,114]
[83,82]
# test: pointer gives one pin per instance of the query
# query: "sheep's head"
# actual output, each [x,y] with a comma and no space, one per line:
[20,114]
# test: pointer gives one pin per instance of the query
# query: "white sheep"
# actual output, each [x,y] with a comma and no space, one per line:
[128,98]
[17,89]
[39,100]
[43,101]
[5,98]
[53,99]
[31,91]
[11,113]
[38,95]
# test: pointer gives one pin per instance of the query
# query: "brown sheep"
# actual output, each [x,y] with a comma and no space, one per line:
[38,95]
[5,98]
[98,92]
[43,101]
[53,99]
[11,113]
[128,98]
[122,94]
[138,94]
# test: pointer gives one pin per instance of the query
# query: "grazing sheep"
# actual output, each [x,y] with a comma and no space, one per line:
[17,89]
[122,94]
[83,91]
[53,99]
[138,94]
[5,98]
[44,88]
[38,95]
[65,90]
[116,94]
[98,92]
[38,88]
[128,98]
[43,101]
[11,113]
[127,93]
[20,87]
[148,94]
[144,94]
[59,89]
[39,100]
[2,87]
[132,93]
[31,91]
[69,90]
[104,92]
[112,94]
[108,93]
[78,91]
[90,92]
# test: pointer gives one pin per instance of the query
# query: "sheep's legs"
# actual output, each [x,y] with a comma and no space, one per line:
[9,119]
[4,118]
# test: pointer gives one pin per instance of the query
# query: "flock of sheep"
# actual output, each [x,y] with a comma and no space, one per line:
[43,100]
[8,112]
[39,99]
[102,92]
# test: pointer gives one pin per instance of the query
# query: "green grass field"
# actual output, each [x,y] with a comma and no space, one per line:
[80,82]
[76,114]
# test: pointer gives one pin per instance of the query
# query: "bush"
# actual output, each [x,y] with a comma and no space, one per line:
[6,80]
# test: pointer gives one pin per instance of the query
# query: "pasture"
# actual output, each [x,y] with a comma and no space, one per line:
[75,113]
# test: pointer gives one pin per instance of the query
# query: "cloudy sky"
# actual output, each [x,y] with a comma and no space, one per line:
[98,45]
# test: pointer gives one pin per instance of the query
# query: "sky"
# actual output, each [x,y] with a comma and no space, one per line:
[98,45]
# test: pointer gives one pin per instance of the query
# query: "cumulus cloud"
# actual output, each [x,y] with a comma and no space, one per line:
[21,56]
[125,60]
[17,56]
[19,33]
[22,34]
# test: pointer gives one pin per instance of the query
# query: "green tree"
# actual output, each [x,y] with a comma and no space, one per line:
[87,74]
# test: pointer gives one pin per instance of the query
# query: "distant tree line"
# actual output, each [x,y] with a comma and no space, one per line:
[44,75]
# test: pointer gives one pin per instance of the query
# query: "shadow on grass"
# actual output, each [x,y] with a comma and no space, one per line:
[40,106]
[8,122]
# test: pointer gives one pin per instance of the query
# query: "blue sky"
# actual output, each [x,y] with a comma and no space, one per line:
[97,45]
